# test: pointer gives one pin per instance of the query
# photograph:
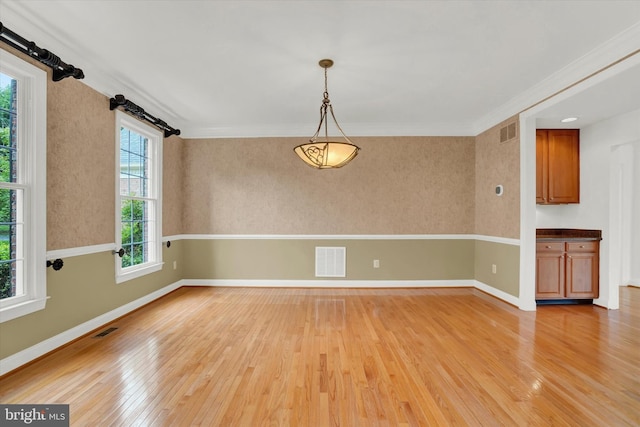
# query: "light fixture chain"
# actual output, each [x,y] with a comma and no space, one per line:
[326,91]
[325,95]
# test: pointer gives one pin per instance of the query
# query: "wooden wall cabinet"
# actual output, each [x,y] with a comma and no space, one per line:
[557,166]
[567,269]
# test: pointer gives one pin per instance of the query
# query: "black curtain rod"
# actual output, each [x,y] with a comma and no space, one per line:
[130,107]
[60,68]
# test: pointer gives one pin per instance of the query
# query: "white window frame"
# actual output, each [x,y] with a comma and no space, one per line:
[32,181]
[155,138]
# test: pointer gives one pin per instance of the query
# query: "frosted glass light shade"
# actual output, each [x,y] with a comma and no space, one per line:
[327,155]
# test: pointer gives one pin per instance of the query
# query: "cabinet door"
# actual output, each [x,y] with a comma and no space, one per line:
[542,173]
[550,270]
[564,166]
[582,279]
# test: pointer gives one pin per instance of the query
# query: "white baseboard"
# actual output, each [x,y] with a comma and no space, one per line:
[333,283]
[497,293]
[25,356]
[360,284]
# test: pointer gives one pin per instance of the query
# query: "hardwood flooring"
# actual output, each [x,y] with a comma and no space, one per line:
[316,357]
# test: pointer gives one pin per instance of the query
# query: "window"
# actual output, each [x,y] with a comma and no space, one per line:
[23,107]
[139,203]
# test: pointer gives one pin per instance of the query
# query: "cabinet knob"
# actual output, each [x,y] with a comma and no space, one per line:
[581,246]
[548,247]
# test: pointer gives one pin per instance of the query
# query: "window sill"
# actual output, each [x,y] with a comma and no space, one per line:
[22,309]
[139,272]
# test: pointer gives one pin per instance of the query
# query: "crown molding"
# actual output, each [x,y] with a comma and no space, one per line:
[602,57]
[351,129]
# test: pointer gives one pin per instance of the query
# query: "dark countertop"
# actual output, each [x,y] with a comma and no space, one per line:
[543,234]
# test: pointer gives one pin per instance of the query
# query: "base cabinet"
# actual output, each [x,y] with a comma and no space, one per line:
[567,270]
[550,270]
[582,270]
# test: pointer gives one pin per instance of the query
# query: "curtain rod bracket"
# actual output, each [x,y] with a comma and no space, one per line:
[60,68]
[137,111]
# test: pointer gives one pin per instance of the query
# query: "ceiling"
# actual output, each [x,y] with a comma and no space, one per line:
[608,97]
[250,68]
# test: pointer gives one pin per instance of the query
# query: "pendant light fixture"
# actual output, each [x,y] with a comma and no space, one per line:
[322,152]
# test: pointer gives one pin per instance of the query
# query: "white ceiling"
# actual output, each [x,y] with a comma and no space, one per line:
[250,68]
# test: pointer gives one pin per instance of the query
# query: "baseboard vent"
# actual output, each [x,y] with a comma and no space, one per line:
[105,332]
[508,132]
[331,261]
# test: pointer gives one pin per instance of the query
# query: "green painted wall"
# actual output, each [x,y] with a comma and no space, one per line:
[291,259]
[507,260]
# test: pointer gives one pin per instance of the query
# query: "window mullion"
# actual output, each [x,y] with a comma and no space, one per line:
[14,186]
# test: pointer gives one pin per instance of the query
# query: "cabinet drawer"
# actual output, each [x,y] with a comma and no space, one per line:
[550,246]
[582,246]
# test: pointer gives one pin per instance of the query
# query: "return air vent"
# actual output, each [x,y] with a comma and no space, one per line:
[331,261]
[508,132]
[105,332]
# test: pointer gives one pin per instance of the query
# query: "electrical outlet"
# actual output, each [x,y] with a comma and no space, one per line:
[175,264]
[376,263]
[494,268]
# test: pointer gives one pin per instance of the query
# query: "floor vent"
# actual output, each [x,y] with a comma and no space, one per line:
[105,332]
[508,132]
[331,262]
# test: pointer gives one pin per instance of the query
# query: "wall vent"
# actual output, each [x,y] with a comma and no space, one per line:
[331,261]
[508,132]
[105,332]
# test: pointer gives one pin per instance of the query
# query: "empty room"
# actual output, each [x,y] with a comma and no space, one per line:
[319,213]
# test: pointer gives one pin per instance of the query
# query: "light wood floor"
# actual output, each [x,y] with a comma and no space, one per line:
[298,357]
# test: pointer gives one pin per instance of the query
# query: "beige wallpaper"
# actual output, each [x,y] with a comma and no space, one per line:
[497,163]
[172,183]
[397,185]
[80,166]
[80,163]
